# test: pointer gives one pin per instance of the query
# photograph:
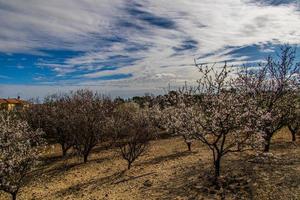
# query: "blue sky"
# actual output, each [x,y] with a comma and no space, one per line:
[132,47]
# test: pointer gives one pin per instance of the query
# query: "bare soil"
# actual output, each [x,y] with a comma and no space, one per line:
[168,171]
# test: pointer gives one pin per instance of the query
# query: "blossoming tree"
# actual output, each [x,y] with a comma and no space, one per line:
[272,86]
[221,118]
[175,103]
[53,117]
[132,128]
[88,120]
[293,118]
[19,151]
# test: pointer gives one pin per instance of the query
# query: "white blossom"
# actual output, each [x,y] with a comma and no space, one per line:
[20,148]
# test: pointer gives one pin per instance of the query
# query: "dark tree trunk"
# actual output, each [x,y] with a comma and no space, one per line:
[267,143]
[64,149]
[293,132]
[217,165]
[267,146]
[14,195]
[129,165]
[86,153]
[293,136]
[85,157]
[64,152]
[189,144]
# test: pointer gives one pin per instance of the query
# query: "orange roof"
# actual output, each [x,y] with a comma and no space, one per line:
[23,101]
[3,101]
[13,101]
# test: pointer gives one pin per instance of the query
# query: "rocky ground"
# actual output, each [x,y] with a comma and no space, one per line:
[169,171]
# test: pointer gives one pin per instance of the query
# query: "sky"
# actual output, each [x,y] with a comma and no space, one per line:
[132,47]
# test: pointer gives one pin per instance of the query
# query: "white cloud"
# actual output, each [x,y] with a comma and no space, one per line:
[214,25]
[33,91]
[33,25]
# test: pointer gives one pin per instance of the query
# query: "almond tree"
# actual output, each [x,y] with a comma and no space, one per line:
[221,119]
[176,102]
[294,126]
[272,86]
[293,118]
[90,112]
[57,120]
[177,121]
[133,129]
[19,150]
[53,117]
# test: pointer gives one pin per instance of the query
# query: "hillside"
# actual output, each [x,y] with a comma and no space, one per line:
[167,171]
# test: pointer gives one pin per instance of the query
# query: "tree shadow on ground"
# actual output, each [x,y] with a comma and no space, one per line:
[50,159]
[105,147]
[178,187]
[165,158]
[92,184]
[283,145]
[81,189]
[45,161]
[133,178]
[61,166]
[277,181]
[101,159]
[194,182]
[242,180]
[51,173]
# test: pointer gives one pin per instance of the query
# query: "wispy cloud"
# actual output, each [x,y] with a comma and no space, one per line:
[4,77]
[142,44]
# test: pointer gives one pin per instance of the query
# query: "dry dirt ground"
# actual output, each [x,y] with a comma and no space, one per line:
[168,171]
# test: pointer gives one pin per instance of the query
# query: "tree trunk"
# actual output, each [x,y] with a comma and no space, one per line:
[293,132]
[267,143]
[129,165]
[64,153]
[293,136]
[217,165]
[64,150]
[85,158]
[14,195]
[86,153]
[189,144]
[267,146]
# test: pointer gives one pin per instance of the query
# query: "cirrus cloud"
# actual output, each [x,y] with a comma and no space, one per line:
[136,45]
